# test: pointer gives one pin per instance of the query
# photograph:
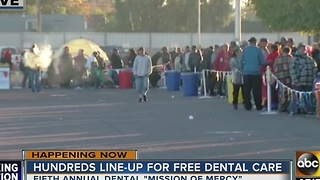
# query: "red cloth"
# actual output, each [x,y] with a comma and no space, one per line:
[271,58]
[7,55]
[222,61]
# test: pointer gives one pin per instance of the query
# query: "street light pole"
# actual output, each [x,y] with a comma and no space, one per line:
[237,21]
[39,26]
[199,22]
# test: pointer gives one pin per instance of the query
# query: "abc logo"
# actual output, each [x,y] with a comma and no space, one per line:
[308,164]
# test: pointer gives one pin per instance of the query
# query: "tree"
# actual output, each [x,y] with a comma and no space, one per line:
[171,15]
[138,15]
[288,15]
[123,17]
[31,9]
[248,13]
[216,14]
[57,6]
[182,15]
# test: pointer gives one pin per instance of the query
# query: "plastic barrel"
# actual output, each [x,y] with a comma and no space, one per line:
[190,84]
[173,80]
[125,79]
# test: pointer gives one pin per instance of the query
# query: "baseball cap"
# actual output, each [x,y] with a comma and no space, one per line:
[141,49]
[264,40]
[252,39]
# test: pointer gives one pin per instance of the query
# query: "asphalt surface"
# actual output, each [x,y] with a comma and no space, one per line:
[159,128]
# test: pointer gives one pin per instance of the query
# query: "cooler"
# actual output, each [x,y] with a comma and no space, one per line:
[4,76]
[190,84]
[173,80]
[125,79]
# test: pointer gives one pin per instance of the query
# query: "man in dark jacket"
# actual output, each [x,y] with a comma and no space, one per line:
[166,58]
[290,44]
[174,54]
[155,76]
[79,68]
[251,62]
[195,59]
[116,61]
[206,64]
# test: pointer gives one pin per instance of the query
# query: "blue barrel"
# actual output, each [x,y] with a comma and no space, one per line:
[173,80]
[190,84]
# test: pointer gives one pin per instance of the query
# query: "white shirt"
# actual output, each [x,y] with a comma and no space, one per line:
[177,65]
[142,66]
[186,60]
[89,61]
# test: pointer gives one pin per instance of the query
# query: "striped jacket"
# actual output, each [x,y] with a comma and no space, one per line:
[303,71]
[281,68]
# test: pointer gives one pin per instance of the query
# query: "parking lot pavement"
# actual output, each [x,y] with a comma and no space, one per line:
[159,129]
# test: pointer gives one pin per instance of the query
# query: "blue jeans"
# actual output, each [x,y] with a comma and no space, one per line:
[26,75]
[34,78]
[142,85]
[115,77]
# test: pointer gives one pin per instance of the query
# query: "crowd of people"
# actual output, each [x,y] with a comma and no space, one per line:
[67,71]
[294,66]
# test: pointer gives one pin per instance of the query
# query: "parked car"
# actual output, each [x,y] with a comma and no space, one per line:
[109,49]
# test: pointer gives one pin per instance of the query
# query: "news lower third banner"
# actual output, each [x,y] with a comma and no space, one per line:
[11,170]
[157,170]
[80,155]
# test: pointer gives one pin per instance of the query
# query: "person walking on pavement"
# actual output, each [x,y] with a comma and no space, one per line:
[251,62]
[142,68]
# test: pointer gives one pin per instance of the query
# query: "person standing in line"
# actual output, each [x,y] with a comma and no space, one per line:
[290,44]
[195,59]
[116,61]
[177,66]
[271,58]
[303,72]
[166,58]
[237,78]
[251,62]
[79,68]
[185,60]
[222,64]
[66,68]
[131,56]
[89,68]
[281,69]
[174,53]
[142,68]
[263,45]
